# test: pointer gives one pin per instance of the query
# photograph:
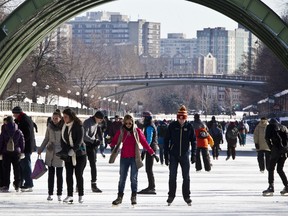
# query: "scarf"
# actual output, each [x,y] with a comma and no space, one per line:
[71,151]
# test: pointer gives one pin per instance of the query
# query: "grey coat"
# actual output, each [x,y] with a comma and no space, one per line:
[52,142]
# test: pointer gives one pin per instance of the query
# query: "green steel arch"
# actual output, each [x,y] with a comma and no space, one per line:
[28,24]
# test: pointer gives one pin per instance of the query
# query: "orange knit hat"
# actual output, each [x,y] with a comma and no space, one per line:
[182,113]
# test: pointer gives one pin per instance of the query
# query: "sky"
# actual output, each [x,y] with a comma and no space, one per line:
[178,16]
[232,187]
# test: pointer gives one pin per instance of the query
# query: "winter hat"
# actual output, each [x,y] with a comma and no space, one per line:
[182,113]
[99,115]
[17,110]
[146,114]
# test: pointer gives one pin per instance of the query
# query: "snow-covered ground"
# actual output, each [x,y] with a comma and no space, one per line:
[231,188]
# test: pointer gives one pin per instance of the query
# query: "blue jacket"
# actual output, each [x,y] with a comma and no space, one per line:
[178,139]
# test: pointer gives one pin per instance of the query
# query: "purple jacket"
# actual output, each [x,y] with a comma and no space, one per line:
[8,130]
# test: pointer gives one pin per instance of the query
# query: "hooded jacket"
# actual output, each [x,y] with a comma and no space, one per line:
[11,130]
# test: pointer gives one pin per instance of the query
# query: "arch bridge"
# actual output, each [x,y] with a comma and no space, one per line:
[28,24]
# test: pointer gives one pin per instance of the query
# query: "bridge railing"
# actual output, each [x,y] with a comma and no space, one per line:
[41,108]
[173,76]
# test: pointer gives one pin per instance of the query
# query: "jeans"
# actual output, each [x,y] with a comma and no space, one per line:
[185,166]
[263,158]
[125,163]
[79,168]
[92,157]
[25,167]
[51,177]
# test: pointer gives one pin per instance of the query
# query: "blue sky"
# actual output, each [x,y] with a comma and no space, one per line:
[177,15]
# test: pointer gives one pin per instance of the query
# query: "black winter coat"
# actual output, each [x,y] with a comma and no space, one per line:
[178,139]
[25,124]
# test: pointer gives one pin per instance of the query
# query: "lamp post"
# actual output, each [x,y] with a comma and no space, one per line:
[85,99]
[77,94]
[68,93]
[100,99]
[58,89]
[34,97]
[46,96]
[109,99]
[18,80]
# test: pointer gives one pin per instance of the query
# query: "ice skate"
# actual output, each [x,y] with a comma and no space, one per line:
[188,201]
[170,200]
[269,191]
[118,200]
[147,191]
[49,198]
[68,199]
[284,192]
[133,199]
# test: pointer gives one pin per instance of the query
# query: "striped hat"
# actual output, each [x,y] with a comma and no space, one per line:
[182,113]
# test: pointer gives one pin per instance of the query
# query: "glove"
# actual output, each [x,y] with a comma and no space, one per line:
[97,143]
[166,160]
[256,145]
[155,157]
[71,152]
[193,159]
[143,155]
[221,141]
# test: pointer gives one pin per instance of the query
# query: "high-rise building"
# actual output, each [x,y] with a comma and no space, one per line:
[178,43]
[228,46]
[109,28]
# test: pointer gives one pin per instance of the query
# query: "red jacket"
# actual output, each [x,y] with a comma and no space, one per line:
[128,140]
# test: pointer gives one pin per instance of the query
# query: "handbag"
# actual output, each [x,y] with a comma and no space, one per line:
[63,154]
[39,168]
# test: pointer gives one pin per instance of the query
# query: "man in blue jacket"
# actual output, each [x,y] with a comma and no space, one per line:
[179,137]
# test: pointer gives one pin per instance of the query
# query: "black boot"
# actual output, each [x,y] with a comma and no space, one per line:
[133,198]
[95,188]
[269,191]
[118,200]
[284,192]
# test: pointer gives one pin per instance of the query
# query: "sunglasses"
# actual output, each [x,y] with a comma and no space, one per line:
[128,123]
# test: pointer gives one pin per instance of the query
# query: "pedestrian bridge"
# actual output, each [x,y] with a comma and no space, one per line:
[251,82]
[28,24]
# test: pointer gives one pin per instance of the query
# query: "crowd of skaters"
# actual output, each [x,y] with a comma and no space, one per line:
[179,143]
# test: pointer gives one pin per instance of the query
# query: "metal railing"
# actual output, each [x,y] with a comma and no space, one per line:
[41,108]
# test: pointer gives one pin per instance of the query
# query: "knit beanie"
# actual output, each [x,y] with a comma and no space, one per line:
[17,110]
[99,115]
[182,113]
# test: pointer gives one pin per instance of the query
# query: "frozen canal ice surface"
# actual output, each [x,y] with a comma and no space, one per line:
[233,187]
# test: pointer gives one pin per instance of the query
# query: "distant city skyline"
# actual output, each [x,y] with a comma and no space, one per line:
[174,12]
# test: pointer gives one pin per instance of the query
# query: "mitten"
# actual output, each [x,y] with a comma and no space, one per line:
[143,155]
[166,160]
[256,145]
[193,159]
[155,157]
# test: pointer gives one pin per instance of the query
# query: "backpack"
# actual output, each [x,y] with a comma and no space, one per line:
[215,131]
[162,130]
[10,145]
[232,133]
[203,134]
[280,136]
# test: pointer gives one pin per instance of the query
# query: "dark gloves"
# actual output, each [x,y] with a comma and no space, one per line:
[193,159]
[143,155]
[256,145]
[96,143]
[155,157]
[166,159]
